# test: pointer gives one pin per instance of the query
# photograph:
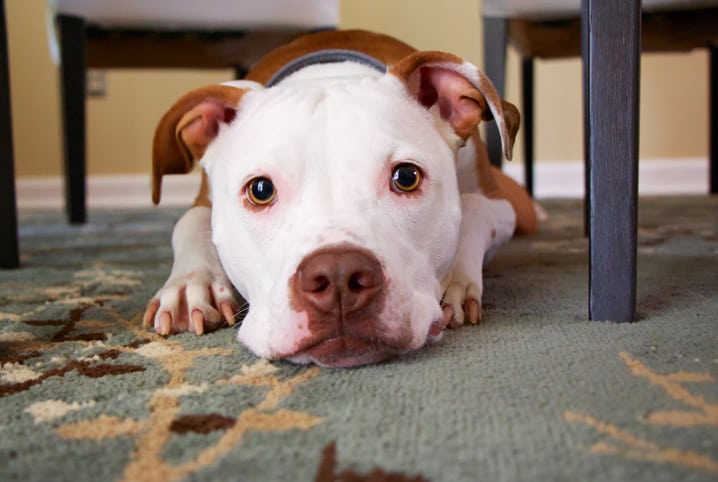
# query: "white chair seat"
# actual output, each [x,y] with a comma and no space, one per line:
[572,8]
[204,14]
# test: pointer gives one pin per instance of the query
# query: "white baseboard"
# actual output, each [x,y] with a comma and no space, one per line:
[551,179]
[656,177]
[106,192]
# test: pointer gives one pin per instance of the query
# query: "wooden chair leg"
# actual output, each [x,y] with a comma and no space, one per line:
[9,256]
[240,71]
[527,89]
[613,76]
[495,37]
[72,45]
[713,120]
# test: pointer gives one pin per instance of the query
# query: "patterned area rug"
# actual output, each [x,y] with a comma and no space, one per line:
[535,392]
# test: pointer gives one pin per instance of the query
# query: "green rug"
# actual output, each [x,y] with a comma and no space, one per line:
[535,392]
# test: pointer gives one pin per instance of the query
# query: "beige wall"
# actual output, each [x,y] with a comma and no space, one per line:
[673,98]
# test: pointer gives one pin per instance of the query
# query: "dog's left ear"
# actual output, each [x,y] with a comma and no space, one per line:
[463,94]
[188,127]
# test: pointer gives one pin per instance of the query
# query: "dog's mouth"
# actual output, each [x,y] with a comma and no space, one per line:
[345,351]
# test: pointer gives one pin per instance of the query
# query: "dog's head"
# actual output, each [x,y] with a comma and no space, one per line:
[335,206]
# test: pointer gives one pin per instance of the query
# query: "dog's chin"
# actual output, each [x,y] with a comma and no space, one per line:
[344,352]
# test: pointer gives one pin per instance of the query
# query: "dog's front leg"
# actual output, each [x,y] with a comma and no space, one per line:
[197,296]
[486,224]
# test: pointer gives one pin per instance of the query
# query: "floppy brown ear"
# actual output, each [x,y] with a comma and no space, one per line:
[464,95]
[188,127]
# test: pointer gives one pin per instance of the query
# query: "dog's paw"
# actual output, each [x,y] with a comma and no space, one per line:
[462,302]
[196,302]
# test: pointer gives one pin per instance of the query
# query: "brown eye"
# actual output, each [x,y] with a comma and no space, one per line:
[261,191]
[405,178]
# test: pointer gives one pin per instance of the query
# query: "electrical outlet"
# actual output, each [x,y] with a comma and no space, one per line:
[96,83]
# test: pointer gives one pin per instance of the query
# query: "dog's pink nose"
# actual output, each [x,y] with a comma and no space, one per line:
[339,280]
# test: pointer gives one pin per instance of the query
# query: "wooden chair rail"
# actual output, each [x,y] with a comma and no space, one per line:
[107,48]
[661,32]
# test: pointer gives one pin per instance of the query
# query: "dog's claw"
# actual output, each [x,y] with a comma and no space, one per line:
[164,324]
[150,313]
[473,310]
[228,311]
[438,326]
[199,302]
[448,316]
[197,322]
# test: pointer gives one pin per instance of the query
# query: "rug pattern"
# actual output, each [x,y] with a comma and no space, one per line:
[533,393]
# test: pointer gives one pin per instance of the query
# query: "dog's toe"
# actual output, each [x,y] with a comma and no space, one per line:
[465,302]
[197,302]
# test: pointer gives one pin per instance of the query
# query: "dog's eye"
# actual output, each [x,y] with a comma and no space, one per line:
[261,191]
[405,178]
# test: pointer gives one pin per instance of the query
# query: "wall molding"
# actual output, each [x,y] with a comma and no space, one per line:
[107,192]
[552,179]
[656,177]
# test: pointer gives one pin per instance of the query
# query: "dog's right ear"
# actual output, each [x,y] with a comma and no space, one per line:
[463,94]
[188,127]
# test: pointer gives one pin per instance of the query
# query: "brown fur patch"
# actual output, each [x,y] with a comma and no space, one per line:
[169,154]
[381,47]
[526,220]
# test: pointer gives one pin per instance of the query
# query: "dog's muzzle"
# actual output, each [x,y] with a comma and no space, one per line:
[343,291]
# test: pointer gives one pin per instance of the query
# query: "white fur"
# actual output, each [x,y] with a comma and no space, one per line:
[196,272]
[329,138]
[486,225]
[333,188]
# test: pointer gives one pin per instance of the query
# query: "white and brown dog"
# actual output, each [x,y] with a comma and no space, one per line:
[346,195]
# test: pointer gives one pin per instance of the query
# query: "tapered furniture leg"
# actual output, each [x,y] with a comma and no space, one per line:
[713,120]
[586,125]
[614,28]
[240,71]
[72,45]
[527,119]
[9,257]
[495,37]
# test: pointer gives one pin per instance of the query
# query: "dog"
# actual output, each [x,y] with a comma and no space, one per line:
[346,195]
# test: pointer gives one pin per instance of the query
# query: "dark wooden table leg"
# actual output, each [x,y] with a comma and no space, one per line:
[613,75]
[586,125]
[9,257]
[72,45]
[713,119]
[495,37]
[527,119]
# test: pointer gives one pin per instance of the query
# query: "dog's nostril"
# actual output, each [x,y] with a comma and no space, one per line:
[354,283]
[360,281]
[320,284]
[314,282]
